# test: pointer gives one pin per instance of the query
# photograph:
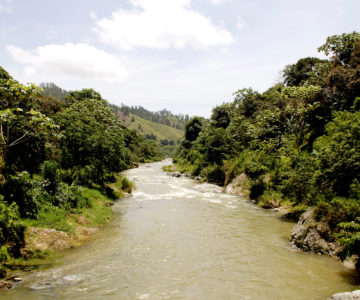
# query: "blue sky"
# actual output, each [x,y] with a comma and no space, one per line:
[183,55]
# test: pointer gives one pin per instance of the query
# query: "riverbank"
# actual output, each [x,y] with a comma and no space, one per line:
[309,234]
[57,230]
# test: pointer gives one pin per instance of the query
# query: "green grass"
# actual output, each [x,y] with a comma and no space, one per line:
[161,131]
[53,218]
[170,168]
[39,260]
[97,213]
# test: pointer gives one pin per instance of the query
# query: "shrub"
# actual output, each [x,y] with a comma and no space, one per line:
[50,171]
[11,230]
[254,169]
[23,190]
[214,174]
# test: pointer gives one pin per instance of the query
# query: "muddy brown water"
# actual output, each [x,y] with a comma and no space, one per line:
[172,240]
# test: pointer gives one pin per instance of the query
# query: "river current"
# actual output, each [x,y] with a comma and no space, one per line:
[175,239]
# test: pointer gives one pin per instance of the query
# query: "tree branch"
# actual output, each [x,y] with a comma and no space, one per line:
[19,140]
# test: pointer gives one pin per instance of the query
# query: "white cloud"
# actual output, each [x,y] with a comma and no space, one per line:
[75,60]
[217,1]
[5,6]
[240,23]
[160,24]
[93,15]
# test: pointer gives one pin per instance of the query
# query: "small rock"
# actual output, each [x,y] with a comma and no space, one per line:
[5,285]
[175,174]
[18,279]
[355,295]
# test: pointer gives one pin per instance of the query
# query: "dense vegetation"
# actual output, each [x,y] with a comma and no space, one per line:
[298,142]
[54,153]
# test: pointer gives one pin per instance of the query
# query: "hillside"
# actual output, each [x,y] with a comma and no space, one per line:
[148,128]
[151,130]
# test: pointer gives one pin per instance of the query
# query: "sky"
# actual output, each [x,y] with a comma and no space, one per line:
[183,55]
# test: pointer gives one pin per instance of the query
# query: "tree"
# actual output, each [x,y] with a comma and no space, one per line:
[19,124]
[297,74]
[246,102]
[193,128]
[338,155]
[93,146]
[343,80]
[220,117]
[340,47]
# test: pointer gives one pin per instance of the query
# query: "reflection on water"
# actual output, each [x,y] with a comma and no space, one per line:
[172,240]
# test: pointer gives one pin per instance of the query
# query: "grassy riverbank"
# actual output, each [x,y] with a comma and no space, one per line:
[57,229]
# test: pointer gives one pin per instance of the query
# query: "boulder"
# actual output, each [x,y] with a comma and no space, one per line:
[346,296]
[313,236]
[236,187]
[208,188]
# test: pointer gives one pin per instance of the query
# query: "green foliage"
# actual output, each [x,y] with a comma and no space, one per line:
[214,174]
[300,72]
[246,102]
[4,254]
[11,231]
[340,46]
[349,237]
[93,144]
[337,155]
[50,171]
[193,128]
[220,117]
[25,192]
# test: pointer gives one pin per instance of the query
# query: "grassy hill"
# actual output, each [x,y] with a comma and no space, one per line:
[148,128]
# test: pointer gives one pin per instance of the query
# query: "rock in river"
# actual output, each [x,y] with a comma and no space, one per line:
[311,235]
[346,296]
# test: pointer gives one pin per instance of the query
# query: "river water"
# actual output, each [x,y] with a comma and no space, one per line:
[175,239]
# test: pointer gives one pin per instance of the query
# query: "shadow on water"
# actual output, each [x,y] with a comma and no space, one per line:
[351,277]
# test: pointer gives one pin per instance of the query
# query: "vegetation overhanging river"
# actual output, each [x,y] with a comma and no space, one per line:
[173,241]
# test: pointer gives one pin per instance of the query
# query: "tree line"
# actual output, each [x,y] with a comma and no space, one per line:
[298,142]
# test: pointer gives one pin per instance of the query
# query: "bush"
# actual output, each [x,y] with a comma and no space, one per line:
[126,184]
[24,191]
[213,174]
[50,171]
[11,230]
[69,197]
[254,169]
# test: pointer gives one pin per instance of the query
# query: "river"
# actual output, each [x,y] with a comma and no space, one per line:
[172,240]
